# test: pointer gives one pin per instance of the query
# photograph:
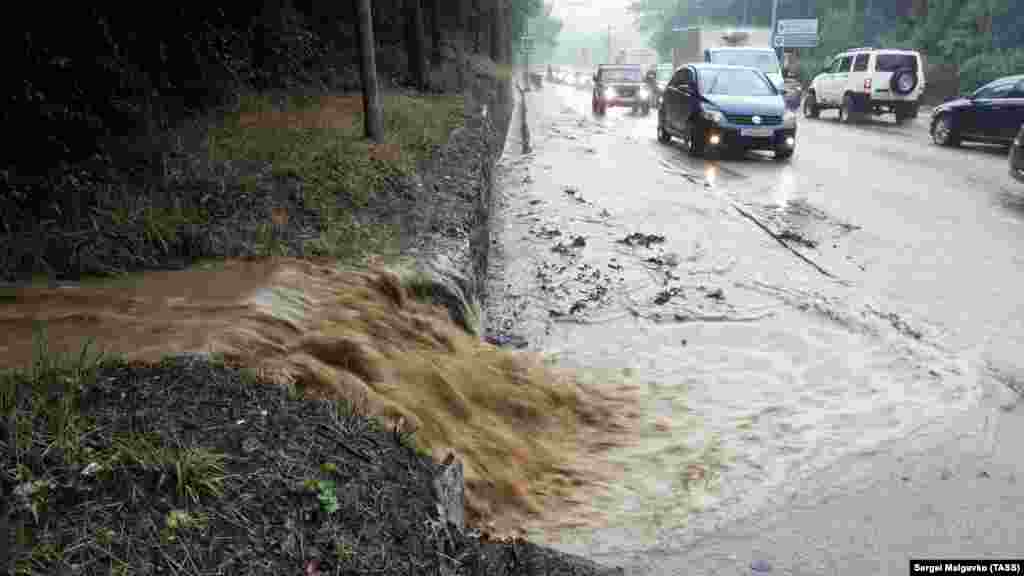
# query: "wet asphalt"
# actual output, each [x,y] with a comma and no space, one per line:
[825,350]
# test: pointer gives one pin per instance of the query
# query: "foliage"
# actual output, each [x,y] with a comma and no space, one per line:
[980,37]
[535,18]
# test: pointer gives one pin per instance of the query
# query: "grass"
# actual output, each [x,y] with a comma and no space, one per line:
[224,172]
[319,141]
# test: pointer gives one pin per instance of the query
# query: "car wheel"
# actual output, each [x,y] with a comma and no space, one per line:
[847,111]
[695,141]
[663,136]
[811,109]
[943,132]
[784,153]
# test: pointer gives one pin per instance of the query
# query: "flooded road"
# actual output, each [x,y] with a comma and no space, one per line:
[883,316]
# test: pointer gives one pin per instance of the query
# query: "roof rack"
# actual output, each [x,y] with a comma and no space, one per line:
[860,48]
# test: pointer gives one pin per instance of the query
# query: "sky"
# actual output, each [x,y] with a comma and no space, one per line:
[594,15]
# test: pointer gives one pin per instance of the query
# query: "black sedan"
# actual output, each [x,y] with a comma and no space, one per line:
[718,107]
[1017,156]
[993,113]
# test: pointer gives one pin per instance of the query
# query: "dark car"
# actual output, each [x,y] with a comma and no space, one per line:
[663,73]
[713,106]
[993,113]
[620,85]
[1017,156]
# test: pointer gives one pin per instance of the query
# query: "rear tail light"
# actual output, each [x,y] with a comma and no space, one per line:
[867,84]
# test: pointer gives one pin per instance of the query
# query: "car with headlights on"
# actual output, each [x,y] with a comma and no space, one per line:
[713,107]
[620,85]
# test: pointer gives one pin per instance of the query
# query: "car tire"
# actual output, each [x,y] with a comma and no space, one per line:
[663,136]
[783,154]
[848,110]
[943,132]
[902,114]
[811,108]
[694,142]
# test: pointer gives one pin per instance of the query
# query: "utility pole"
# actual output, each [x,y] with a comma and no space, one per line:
[525,45]
[775,26]
[373,121]
[609,59]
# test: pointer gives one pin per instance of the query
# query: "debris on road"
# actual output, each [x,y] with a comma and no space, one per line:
[639,239]
[898,323]
[798,238]
[507,341]
[781,241]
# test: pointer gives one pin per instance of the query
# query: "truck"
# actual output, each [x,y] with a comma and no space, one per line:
[695,40]
[731,46]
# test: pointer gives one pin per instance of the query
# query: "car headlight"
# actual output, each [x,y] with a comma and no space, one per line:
[712,115]
[608,93]
[644,94]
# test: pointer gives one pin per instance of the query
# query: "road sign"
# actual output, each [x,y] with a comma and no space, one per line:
[796,41]
[798,27]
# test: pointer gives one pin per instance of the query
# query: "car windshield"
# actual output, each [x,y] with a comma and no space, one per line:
[764,61]
[894,62]
[622,75]
[734,82]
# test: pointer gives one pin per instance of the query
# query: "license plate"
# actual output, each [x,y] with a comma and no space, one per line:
[757,132]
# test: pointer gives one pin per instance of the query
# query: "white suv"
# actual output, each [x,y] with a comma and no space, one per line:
[868,80]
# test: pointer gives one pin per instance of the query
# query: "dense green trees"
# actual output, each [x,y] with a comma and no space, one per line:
[982,39]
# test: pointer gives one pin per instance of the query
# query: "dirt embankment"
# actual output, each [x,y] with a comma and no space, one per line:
[139,467]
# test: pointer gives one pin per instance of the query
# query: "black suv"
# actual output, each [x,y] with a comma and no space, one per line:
[620,85]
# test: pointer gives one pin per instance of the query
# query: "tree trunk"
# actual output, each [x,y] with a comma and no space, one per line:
[435,28]
[461,40]
[497,23]
[415,43]
[373,120]
[477,26]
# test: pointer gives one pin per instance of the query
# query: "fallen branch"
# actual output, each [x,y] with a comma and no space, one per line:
[779,239]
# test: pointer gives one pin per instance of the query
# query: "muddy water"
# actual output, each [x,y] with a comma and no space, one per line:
[756,369]
[141,316]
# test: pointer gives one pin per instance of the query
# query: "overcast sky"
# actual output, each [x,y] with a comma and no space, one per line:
[594,15]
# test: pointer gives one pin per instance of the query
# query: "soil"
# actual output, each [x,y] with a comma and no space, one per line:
[273,514]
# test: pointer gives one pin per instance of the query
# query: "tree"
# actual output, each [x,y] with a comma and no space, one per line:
[373,121]
[462,8]
[415,41]
[435,35]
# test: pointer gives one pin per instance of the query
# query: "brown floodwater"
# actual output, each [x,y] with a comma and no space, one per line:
[140,316]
